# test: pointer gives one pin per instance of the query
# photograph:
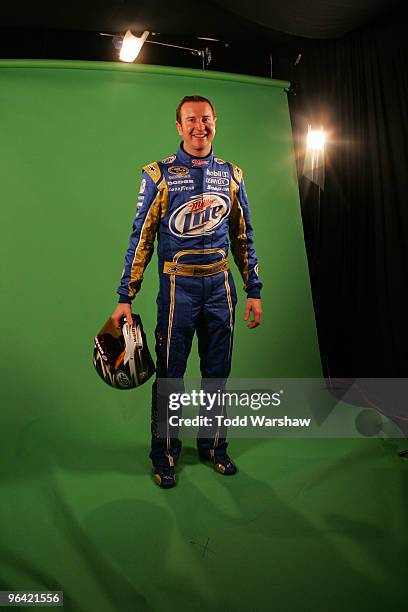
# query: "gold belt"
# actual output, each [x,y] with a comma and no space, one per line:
[170,267]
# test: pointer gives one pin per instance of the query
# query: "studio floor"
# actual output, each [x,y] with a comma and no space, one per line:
[304,525]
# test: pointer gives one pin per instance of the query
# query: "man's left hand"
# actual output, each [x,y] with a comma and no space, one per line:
[254,305]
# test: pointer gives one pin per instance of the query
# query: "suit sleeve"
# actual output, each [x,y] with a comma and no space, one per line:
[242,236]
[141,241]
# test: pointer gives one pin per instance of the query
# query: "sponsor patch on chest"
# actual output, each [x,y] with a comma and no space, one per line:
[217,181]
[178,170]
[200,215]
[197,163]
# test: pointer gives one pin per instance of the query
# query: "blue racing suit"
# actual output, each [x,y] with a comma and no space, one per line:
[196,206]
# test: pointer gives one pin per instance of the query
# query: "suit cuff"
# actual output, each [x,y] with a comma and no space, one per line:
[254,293]
[124,299]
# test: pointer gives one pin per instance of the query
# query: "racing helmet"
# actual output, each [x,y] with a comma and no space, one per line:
[121,355]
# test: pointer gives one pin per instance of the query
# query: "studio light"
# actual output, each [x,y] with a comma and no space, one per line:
[131,46]
[313,166]
[315,139]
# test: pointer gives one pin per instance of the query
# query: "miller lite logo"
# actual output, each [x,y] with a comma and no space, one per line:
[200,215]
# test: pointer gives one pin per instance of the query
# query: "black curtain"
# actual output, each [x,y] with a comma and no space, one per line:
[356,230]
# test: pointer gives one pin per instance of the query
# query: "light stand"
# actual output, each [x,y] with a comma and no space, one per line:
[204,53]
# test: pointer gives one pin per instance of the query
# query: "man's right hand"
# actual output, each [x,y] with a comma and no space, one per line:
[122,310]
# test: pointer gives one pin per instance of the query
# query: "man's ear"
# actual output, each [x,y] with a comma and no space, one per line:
[178,128]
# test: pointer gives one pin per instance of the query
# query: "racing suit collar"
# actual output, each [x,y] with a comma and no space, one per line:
[187,159]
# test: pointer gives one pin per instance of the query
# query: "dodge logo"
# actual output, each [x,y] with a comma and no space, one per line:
[200,215]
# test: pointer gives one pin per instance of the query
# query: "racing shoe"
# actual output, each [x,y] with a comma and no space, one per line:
[164,476]
[222,464]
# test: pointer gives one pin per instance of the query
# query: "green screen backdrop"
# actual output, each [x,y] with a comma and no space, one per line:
[74,137]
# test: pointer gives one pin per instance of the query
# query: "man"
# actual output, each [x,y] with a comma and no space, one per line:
[193,201]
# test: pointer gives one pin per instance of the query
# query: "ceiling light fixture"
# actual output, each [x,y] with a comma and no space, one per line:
[131,46]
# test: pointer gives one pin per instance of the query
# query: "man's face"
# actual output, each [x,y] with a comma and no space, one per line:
[197,127]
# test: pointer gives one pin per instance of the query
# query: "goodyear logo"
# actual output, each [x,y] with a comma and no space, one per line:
[200,215]
[169,160]
[179,170]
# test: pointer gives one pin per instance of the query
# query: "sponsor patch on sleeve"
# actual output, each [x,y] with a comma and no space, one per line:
[153,171]
[237,172]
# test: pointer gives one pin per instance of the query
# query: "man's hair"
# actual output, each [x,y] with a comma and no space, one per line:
[192,99]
